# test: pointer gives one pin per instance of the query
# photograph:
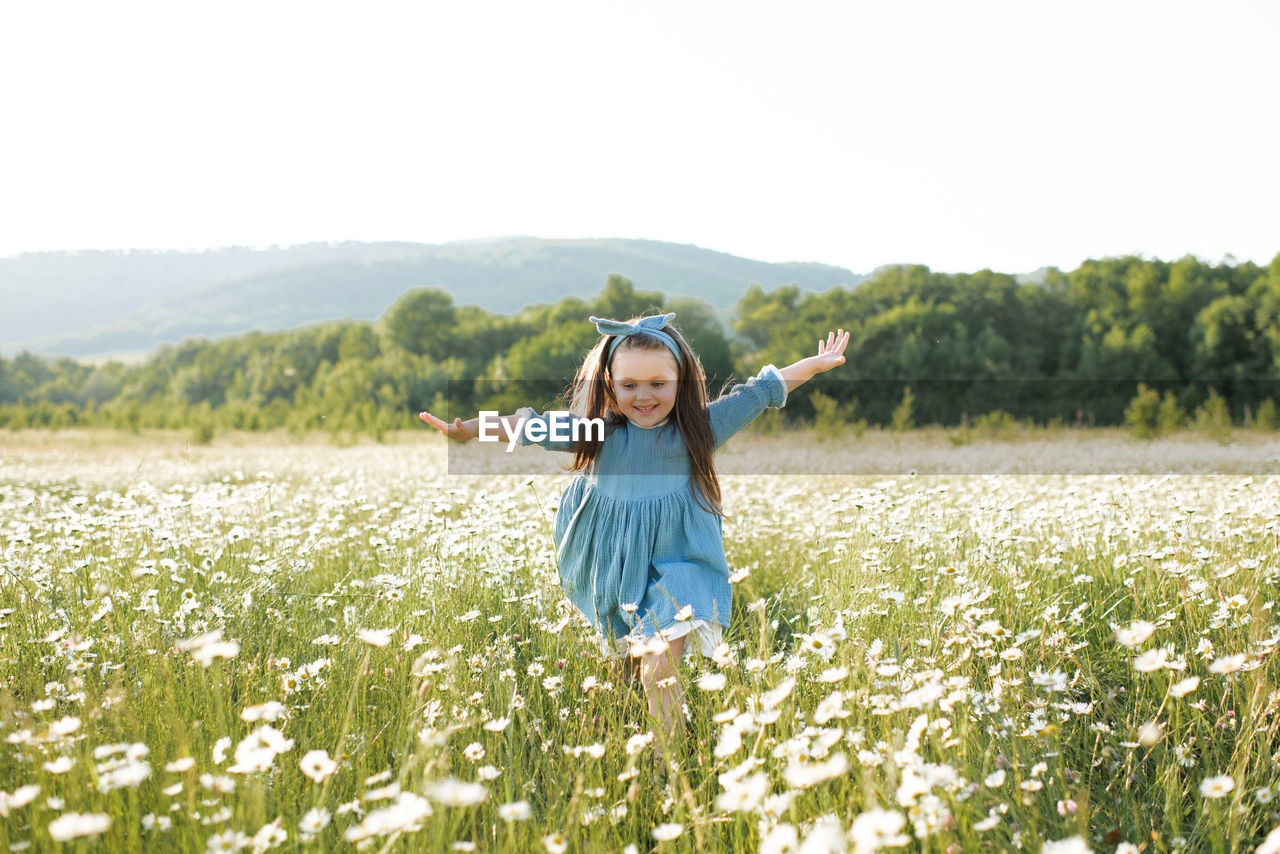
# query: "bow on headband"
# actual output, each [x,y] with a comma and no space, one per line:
[652,326]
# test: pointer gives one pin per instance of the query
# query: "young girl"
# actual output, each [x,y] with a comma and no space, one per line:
[638,533]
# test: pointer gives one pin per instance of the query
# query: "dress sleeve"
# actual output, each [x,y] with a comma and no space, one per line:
[556,431]
[744,403]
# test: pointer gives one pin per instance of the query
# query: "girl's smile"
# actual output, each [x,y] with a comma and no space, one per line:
[644,384]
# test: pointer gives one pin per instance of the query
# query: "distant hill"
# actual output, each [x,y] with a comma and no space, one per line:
[93,303]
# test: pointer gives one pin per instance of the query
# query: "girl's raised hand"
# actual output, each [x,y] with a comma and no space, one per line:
[831,351]
[459,429]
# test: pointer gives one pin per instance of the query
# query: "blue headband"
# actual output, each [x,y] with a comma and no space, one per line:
[620,329]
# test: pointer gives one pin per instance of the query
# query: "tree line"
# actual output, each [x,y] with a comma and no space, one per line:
[1078,347]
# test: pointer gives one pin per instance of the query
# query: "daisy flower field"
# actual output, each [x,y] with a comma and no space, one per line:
[259,645]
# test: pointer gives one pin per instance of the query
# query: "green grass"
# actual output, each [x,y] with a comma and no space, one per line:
[931,579]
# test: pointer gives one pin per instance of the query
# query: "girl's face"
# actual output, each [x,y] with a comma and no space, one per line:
[644,383]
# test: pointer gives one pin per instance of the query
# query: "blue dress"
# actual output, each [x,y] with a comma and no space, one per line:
[633,544]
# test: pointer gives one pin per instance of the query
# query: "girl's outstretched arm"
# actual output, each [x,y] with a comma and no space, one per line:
[830,355]
[507,425]
[744,403]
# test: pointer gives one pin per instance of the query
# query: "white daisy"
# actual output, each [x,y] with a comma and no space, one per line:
[515,811]
[317,765]
[667,832]
[1217,787]
[375,637]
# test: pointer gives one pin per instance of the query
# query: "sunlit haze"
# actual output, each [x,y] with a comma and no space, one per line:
[959,135]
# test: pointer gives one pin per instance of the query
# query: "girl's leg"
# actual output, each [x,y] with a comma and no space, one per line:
[660,675]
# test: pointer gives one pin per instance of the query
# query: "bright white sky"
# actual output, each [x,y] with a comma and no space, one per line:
[961,135]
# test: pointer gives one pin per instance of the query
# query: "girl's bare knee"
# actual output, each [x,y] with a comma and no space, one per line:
[659,670]
[654,669]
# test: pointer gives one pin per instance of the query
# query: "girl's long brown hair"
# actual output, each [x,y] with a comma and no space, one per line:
[593,397]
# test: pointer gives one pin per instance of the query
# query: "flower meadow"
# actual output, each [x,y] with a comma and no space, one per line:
[257,645]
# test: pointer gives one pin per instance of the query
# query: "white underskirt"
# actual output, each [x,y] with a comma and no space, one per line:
[706,637]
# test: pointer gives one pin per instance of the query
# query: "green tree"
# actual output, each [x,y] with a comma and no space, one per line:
[902,419]
[1171,417]
[1265,420]
[1264,294]
[697,322]
[1142,413]
[358,343]
[1213,418]
[421,321]
[1223,341]
[620,300]
[759,316]
[8,392]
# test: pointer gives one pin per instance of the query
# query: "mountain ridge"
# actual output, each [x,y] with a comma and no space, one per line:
[92,302]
